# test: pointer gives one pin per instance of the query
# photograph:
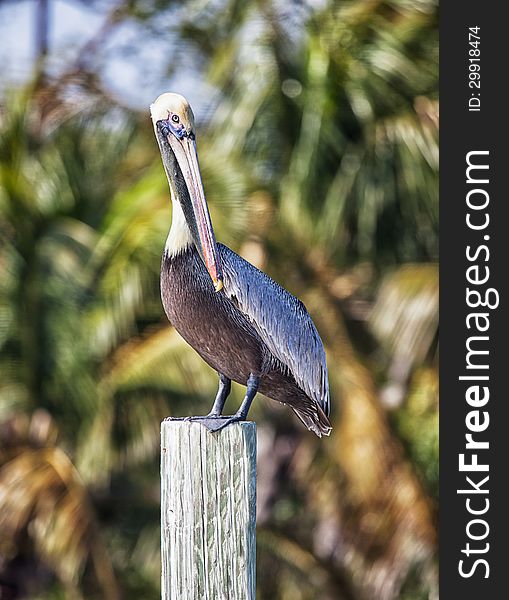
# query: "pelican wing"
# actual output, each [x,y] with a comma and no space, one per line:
[281,321]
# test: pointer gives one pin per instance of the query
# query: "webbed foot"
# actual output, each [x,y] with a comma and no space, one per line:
[216,422]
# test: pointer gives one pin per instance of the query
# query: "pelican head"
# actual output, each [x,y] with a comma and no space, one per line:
[174,128]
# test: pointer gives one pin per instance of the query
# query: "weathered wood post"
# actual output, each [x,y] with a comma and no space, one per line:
[208,511]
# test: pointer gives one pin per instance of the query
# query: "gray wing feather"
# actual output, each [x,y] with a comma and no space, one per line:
[282,322]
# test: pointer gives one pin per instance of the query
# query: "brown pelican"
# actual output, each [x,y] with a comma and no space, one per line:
[241,322]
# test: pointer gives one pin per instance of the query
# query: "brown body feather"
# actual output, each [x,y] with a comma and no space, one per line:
[225,338]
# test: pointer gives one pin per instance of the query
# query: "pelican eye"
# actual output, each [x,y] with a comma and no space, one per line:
[175,118]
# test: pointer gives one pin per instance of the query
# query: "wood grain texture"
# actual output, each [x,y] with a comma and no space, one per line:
[208,511]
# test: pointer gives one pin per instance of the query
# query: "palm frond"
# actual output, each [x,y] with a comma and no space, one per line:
[41,495]
[405,320]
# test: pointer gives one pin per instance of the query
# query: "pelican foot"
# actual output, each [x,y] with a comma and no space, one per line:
[216,422]
[211,422]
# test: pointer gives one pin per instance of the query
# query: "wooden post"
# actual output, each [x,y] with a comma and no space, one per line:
[208,511]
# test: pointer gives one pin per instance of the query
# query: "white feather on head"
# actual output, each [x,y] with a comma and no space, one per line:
[168,104]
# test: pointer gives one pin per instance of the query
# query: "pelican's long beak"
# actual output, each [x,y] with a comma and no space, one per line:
[184,148]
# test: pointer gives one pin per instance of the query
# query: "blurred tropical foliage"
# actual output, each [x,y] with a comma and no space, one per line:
[319,151]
